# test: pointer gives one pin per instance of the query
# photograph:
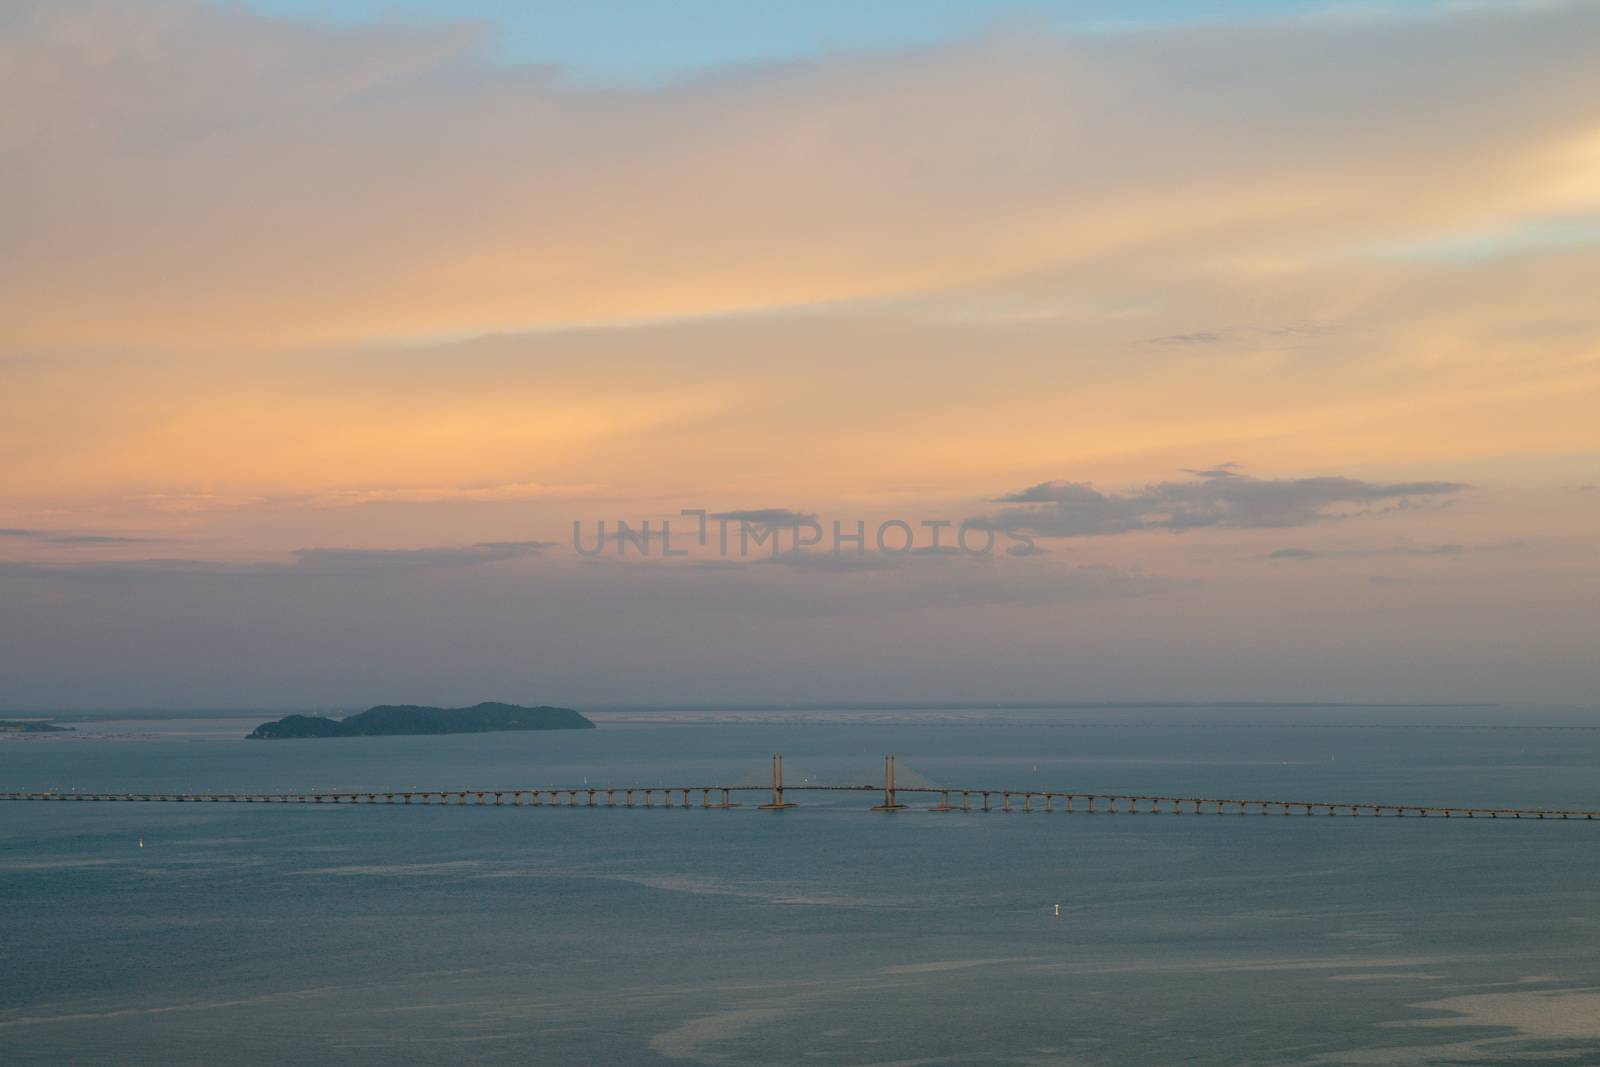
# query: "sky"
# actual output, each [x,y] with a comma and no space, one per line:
[1230,351]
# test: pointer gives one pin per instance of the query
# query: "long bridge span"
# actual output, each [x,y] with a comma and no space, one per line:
[889,793]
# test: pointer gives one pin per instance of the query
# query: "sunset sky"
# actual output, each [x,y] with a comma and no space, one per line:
[1274,327]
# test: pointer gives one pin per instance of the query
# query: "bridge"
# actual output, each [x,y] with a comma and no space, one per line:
[946,799]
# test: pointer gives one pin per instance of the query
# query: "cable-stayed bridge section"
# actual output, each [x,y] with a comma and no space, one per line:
[889,794]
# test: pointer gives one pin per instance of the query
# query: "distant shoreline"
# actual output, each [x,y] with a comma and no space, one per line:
[155,714]
[1027,705]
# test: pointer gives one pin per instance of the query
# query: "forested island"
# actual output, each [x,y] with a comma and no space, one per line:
[8,726]
[391,720]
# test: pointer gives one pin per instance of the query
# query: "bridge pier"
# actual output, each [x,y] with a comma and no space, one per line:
[890,803]
[777,803]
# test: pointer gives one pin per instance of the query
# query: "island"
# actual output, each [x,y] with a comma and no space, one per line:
[8,726]
[392,720]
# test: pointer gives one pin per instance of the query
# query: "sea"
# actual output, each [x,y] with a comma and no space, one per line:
[827,933]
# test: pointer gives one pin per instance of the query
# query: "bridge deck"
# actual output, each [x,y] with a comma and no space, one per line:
[971,800]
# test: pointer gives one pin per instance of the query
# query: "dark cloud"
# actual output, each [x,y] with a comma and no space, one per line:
[1220,497]
[1221,470]
[767,516]
[1053,493]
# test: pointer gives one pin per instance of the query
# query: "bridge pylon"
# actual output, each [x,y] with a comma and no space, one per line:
[777,803]
[889,801]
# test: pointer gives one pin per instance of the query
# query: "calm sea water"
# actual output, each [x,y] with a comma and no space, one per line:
[822,935]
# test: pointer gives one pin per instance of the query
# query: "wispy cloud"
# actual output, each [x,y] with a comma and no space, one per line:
[801,170]
[364,559]
[321,562]
[1243,334]
[843,562]
[1199,337]
[67,537]
[1361,553]
[516,491]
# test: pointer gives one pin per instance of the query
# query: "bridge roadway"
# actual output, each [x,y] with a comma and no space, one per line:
[1005,801]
